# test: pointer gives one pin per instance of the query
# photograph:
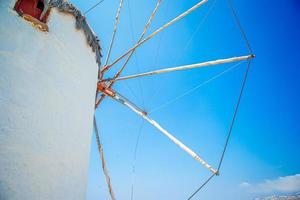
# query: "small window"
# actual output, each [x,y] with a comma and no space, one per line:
[40,5]
[33,8]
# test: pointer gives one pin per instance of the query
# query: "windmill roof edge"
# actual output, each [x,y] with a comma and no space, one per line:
[81,23]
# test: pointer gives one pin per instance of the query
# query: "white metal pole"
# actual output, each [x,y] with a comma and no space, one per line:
[156,32]
[128,58]
[140,112]
[114,32]
[186,67]
[140,39]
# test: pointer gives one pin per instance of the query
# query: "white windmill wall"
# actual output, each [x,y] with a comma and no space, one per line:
[47,90]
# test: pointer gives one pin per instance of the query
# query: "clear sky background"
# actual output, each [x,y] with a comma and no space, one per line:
[263,154]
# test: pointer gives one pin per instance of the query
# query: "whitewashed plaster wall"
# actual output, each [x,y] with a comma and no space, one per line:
[47,92]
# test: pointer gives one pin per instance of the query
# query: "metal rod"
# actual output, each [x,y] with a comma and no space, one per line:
[186,67]
[143,114]
[104,168]
[156,32]
[140,39]
[99,100]
[128,58]
[114,31]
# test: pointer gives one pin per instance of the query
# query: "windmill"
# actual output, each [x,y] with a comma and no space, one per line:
[105,86]
[48,51]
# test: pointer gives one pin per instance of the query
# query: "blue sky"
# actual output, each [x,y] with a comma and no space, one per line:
[265,141]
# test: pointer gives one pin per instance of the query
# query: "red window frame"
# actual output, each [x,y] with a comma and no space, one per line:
[32,8]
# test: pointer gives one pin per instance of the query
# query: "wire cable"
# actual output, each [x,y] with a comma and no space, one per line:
[199,26]
[196,87]
[141,96]
[235,113]
[163,27]
[131,53]
[93,7]
[230,129]
[239,97]
[202,186]
[135,158]
[240,26]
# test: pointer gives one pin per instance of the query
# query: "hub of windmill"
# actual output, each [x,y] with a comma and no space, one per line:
[102,87]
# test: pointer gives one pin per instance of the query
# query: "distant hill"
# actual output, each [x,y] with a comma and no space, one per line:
[291,197]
